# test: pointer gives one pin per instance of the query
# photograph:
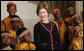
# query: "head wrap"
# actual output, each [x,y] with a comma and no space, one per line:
[77,27]
[11,3]
[70,8]
[15,17]
[6,34]
[55,10]
[21,32]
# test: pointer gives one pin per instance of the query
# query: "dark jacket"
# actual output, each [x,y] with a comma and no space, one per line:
[43,38]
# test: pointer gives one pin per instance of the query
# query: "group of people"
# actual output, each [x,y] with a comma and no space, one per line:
[14,36]
[58,34]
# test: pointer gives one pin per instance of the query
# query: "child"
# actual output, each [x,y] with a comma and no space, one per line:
[45,32]
[24,40]
[6,39]
[77,43]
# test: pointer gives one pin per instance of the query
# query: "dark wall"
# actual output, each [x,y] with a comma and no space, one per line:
[62,5]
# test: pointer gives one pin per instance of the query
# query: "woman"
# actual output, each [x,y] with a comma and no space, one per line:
[5,23]
[60,25]
[45,32]
[15,23]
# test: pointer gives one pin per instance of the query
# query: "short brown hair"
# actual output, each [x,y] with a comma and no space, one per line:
[42,5]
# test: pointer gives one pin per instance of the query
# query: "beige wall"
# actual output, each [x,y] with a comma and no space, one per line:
[26,10]
[79,6]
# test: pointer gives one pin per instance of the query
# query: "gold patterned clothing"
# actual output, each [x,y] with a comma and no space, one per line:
[25,46]
[5,24]
[62,29]
[81,24]
[76,45]
[14,36]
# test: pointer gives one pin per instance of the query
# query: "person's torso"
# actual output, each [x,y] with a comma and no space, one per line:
[45,36]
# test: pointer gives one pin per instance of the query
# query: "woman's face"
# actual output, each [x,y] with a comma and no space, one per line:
[15,24]
[27,37]
[43,14]
[6,40]
[57,14]
[71,11]
[78,32]
[77,19]
[12,10]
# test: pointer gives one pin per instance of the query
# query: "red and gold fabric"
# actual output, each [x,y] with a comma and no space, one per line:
[8,25]
[2,27]
[68,20]
[62,29]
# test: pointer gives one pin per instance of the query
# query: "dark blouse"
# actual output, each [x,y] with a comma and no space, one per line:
[46,36]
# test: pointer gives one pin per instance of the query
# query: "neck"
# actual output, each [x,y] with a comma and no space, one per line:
[45,21]
[79,38]
[10,15]
[28,42]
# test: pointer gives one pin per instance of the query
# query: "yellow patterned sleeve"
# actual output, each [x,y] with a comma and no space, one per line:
[18,47]
[33,47]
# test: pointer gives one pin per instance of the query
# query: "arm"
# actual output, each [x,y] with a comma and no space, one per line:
[37,37]
[71,46]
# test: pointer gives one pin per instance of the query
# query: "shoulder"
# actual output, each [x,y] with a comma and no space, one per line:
[74,40]
[37,24]
[7,18]
[31,44]
[33,47]
[12,31]
[54,23]
[21,45]
[20,18]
